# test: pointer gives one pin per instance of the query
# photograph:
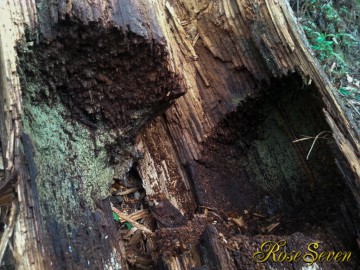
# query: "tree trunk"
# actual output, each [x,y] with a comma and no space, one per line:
[202,99]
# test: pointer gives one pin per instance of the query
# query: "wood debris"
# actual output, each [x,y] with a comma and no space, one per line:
[7,234]
[129,233]
[133,222]
[272,227]
[128,191]
[139,214]
[239,222]
[258,215]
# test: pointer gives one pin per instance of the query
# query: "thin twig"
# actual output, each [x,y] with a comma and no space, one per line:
[305,138]
[312,146]
[133,222]
[272,226]
[139,214]
[128,191]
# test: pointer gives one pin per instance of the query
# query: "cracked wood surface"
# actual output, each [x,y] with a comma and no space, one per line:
[241,45]
[225,51]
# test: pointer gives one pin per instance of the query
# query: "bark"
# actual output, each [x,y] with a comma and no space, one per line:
[88,94]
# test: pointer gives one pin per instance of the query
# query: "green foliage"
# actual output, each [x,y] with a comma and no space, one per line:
[116,217]
[325,45]
[332,29]
[128,225]
[349,92]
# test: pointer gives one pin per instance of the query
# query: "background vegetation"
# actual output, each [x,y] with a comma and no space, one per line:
[332,28]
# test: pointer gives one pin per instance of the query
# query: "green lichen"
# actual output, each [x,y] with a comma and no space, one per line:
[70,166]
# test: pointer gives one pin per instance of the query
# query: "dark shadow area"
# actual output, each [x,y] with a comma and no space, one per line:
[104,76]
[255,166]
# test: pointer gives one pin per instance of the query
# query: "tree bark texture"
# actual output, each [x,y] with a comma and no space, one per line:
[202,98]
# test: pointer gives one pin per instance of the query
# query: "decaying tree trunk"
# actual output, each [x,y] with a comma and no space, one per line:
[202,98]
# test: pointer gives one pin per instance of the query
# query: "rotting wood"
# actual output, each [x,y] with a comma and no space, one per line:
[295,57]
[236,49]
[180,31]
[7,234]
[349,152]
[214,250]
[13,18]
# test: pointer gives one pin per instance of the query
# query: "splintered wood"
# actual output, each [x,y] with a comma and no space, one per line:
[224,53]
[180,33]
[139,214]
[132,221]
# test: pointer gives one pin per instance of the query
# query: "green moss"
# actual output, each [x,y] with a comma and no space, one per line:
[70,166]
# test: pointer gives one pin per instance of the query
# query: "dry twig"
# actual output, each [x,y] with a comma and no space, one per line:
[312,146]
[133,222]
[315,139]
[272,226]
[128,191]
